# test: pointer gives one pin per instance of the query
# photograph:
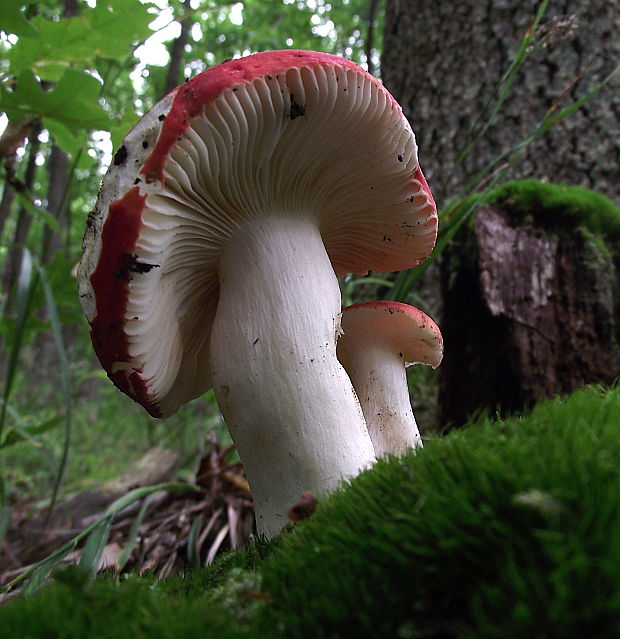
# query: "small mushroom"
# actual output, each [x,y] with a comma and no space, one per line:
[212,256]
[379,340]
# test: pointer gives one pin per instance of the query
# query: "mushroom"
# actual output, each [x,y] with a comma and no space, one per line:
[379,340]
[212,255]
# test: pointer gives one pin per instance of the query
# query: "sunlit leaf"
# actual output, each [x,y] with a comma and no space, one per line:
[13,20]
[72,102]
[110,30]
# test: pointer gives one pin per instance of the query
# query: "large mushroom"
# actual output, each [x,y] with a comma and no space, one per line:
[379,340]
[212,254]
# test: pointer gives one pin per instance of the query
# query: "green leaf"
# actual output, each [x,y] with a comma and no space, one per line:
[14,21]
[94,547]
[138,493]
[64,137]
[5,520]
[39,572]
[193,556]
[65,376]
[119,129]
[73,102]
[125,553]
[25,287]
[38,211]
[110,30]
[22,433]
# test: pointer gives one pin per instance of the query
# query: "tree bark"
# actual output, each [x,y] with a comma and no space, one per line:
[528,313]
[444,61]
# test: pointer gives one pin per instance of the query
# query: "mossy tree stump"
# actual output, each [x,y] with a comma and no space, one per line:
[531,299]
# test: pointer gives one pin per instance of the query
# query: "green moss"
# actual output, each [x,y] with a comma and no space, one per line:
[557,207]
[111,609]
[503,529]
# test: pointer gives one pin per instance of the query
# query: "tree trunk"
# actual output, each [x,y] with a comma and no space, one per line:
[528,313]
[444,61]
[24,221]
[58,170]
[177,51]
[8,195]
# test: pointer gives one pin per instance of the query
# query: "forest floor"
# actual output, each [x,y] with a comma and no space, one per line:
[164,533]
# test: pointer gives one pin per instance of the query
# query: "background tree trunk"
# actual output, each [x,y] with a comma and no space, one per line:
[528,313]
[58,170]
[444,60]
[8,195]
[24,221]
[177,53]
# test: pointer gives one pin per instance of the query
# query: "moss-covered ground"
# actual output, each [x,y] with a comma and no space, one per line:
[502,529]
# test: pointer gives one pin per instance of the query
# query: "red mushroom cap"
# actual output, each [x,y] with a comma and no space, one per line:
[293,131]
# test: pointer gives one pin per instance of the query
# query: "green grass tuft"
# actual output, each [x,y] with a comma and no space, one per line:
[503,529]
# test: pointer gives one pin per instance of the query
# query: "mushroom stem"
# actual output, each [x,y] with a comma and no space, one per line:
[288,403]
[380,379]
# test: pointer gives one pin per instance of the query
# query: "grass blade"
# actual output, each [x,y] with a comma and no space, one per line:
[65,377]
[125,553]
[193,550]
[22,432]
[406,280]
[42,568]
[93,549]
[39,572]
[5,520]
[25,288]
[525,51]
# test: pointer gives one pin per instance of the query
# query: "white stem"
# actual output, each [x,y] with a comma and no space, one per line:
[380,379]
[288,403]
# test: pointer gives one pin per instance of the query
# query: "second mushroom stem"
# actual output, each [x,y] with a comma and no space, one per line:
[380,379]
[288,403]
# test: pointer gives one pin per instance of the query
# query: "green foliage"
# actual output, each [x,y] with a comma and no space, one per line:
[72,104]
[107,30]
[96,536]
[503,529]
[53,61]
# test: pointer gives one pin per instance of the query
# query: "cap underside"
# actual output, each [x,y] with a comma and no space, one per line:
[325,141]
